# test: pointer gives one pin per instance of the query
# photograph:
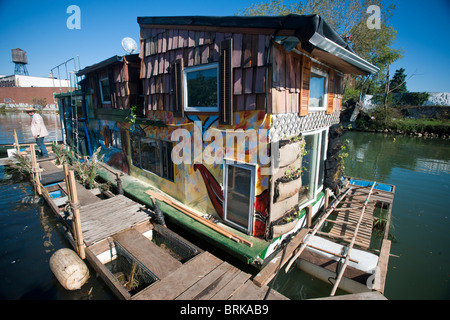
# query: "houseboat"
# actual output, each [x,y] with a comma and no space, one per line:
[227,117]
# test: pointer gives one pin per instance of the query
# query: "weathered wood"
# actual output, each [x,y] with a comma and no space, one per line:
[176,283]
[85,197]
[111,281]
[250,291]
[211,283]
[268,272]
[382,266]
[352,242]
[159,262]
[231,287]
[76,215]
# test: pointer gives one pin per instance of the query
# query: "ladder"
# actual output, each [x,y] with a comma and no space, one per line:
[352,242]
[73,79]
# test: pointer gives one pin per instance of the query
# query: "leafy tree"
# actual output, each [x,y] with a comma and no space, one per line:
[349,19]
[398,82]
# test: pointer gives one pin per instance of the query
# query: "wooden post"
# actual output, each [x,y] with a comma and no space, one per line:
[326,200]
[79,243]
[35,168]
[16,142]
[309,216]
[66,177]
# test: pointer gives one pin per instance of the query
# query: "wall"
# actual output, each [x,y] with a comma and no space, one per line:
[23,97]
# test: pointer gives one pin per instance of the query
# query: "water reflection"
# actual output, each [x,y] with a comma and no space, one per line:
[21,123]
[373,156]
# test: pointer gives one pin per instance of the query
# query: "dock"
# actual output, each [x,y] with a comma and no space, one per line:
[173,269]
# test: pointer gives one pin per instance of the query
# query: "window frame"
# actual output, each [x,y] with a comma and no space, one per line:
[322,156]
[252,196]
[162,145]
[100,81]
[324,74]
[187,70]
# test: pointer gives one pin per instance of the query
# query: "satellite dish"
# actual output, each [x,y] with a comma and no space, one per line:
[129,45]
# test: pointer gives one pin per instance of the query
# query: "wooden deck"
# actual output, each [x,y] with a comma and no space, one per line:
[206,277]
[346,217]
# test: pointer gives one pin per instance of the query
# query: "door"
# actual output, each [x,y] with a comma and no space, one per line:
[239,195]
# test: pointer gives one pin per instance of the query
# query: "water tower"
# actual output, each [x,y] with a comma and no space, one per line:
[19,57]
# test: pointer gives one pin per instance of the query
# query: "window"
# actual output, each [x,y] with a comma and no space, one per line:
[239,182]
[152,155]
[313,166]
[201,88]
[116,139]
[318,86]
[105,90]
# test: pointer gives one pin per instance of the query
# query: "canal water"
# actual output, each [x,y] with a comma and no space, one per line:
[418,167]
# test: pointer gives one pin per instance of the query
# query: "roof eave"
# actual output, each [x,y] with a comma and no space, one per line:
[327,45]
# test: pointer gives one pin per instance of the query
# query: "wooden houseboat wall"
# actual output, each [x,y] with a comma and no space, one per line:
[262,83]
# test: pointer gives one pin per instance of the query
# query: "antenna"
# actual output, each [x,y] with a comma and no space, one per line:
[129,45]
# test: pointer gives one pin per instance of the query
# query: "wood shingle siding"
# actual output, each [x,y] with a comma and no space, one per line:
[161,47]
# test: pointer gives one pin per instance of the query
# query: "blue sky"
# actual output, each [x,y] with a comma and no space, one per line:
[39,28]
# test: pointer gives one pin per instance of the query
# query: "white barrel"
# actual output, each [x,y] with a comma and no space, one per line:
[69,269]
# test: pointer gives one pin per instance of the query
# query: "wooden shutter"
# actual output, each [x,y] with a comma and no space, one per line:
[304,94]
[112,89]
[97,92]
[338,90]
[176,74]
[330,94]
[226,82]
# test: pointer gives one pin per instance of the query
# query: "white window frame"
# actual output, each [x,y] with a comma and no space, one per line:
[187,70]
[101,89]
[252,169]
[322,73]
[317,188]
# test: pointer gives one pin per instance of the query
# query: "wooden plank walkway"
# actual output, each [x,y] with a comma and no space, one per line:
[206,277]
[50,173]
[105,218]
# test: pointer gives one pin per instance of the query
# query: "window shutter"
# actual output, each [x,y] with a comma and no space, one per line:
[176,75]
[330,94]
[97,93]
[226,83]
[304,95]
[112,89]
[338,90]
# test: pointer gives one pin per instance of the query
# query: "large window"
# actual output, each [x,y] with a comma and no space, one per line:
[201,88]
[318,87]
[152,155]
[105,90]
[313,165]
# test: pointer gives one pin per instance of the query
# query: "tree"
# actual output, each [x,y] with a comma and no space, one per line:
[349,19]
[398,82]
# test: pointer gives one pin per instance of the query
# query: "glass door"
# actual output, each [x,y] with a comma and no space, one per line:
[239,182]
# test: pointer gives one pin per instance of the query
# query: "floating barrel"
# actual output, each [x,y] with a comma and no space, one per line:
[69,269]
